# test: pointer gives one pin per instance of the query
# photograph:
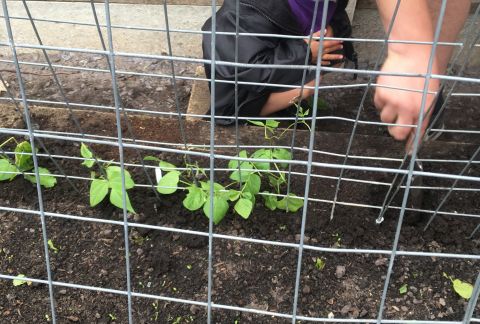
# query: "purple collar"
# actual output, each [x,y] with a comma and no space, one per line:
[303,12]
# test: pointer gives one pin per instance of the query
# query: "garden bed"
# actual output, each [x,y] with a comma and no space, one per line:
[246,274]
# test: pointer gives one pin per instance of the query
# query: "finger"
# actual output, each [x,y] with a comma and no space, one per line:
[332,57]
[332,49]
[378,101]
[331,43]
[326,63]
[411,138]
[401,133]
[388,114]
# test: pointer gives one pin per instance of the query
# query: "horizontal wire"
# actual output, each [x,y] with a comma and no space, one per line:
[242,34]
[236,158]
[246,239]
[152,112]
[232,146]
[245,65]
[320,176]
[215,305]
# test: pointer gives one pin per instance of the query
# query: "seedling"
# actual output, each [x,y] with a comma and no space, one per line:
[112,317]
[276,179]
[320,263]
[189,267]
[109,180]
[245,176]
[463,289]
[51,246]
[403,289]
[19,281]
[23,163]
[199,195]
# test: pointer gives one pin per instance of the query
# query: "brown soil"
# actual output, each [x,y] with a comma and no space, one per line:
[245,274]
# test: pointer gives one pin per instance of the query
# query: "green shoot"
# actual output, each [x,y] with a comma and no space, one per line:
[463,289]
[51,246]
[24,163]
[109,181]
[403,289]
[320,263]
[19,281]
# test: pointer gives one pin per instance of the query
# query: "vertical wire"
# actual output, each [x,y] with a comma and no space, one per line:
[34,156]
[309,163]
[237,135]
[212,159]
[57,82]
[450,191]
[362,103]
[302,89]
[472,302]
[174,84]
[416,145]
[116,95]
[125,114]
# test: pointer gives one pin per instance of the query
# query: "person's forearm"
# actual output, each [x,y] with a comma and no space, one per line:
[412,23]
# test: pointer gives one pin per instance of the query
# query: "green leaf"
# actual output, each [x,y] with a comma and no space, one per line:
[246,169]
[216,186]
[272,123]
[262,154]
[257,123]
[114,177]
[294,203]
[116,200]
[233,195]
[464,289]
[403,289]
[87,154]
[151,158]
[51,246]
[6,166]
[168,183]
[19,281]
[282,154]
[233,164]
[165,166]
[220,208]
[249,196]
[46,179]
[98,191]
[24,162]
[253,184]
[270,201]
[195,199]
[320,263]
[244,207]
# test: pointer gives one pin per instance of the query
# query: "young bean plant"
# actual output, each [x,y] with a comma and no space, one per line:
[23,163]
[109,179]
[244,185]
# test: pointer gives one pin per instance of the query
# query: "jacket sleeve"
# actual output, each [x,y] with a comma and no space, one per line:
[256,50]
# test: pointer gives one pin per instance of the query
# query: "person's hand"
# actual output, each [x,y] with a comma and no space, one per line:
[329,47]
[403,107]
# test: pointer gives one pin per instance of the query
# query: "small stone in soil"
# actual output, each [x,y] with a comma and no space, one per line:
[404,308]
[346,309]
[306,290]
[381,262]
[340,271]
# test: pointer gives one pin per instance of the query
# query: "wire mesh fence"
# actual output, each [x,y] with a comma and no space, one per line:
[315,215]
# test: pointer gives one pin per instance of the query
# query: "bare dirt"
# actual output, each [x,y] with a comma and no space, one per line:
[257,276]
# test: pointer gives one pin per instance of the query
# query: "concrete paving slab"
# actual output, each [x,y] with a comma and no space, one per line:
[125,40]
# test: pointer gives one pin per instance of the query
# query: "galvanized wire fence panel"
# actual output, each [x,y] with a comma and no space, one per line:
[342,162]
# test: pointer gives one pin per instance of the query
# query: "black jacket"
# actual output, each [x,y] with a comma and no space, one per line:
[262,17]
